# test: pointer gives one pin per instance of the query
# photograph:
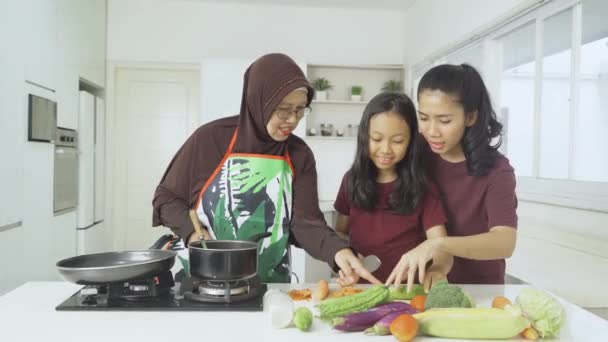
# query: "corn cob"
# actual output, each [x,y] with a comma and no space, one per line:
[471,323]
[342,306]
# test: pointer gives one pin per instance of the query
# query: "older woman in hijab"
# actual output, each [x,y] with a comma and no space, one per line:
[248,174]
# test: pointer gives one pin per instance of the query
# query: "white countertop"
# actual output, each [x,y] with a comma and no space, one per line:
[28,314]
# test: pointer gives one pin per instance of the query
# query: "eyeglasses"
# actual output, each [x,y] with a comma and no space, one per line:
[284,113]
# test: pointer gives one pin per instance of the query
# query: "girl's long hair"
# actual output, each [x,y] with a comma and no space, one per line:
[411,181]
[465,84]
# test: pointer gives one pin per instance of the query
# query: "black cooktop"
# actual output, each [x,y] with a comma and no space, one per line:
[161,293]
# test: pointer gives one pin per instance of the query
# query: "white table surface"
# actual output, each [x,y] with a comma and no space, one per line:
[28,314]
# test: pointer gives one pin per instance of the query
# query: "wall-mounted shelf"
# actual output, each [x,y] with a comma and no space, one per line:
[314,102]
[317,137]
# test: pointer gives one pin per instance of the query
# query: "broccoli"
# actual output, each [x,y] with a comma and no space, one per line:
[445,295]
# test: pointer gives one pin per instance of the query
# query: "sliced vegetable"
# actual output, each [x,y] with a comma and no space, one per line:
[471,323]
[302,318]
[336,307]
[382,327]
[360,321]
[545,313]
[401,293]
[404,327]
[321,291]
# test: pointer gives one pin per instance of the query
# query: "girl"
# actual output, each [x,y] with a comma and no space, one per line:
[476,182]
[385,204]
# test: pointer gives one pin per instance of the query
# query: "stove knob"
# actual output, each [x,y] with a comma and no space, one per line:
[138,288]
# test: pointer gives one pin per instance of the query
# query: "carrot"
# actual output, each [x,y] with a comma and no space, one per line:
[418,302]
[530,334]
[500,302]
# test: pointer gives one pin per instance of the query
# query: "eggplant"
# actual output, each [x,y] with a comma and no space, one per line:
[382,326]
[360,321]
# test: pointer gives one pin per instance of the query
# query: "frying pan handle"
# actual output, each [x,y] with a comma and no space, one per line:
[162,241]
[260,236]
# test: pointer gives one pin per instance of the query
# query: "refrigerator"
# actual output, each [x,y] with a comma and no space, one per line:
[91,176]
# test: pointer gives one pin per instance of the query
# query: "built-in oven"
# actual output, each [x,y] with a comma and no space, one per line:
[65,183]
[42,119]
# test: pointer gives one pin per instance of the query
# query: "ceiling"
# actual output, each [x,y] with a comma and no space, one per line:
[400,5]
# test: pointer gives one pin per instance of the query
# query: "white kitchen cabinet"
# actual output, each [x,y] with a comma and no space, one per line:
[40,40]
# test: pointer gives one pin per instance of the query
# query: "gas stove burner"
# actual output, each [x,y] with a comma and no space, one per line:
[134,290]
[225,291]
[215,288]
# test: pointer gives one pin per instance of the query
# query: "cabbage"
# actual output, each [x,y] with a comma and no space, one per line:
[543,311]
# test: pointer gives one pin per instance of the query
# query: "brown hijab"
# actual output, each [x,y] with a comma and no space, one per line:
[267,81]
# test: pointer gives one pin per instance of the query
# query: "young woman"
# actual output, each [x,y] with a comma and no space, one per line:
[248,174]
[476,182]
[385,204]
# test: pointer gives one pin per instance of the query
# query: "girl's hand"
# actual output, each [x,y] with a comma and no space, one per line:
[411,261]
[433,276]
[351,268]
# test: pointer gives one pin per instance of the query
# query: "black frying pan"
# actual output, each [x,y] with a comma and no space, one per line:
[103,268]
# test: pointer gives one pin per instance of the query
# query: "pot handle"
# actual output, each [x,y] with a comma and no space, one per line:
[258,237]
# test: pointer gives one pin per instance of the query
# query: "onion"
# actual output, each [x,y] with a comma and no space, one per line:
[278,309]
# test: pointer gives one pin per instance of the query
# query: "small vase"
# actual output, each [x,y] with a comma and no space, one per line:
[355,98]
[321,95]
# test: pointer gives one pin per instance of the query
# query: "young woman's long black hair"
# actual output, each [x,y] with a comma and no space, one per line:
[411,181]
[465,84]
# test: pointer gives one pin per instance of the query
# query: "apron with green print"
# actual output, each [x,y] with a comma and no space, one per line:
[250,194]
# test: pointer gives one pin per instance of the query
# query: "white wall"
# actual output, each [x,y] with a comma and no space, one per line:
[187,31]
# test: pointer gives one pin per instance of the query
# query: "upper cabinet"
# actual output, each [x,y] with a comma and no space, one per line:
[81,50]
[39,42]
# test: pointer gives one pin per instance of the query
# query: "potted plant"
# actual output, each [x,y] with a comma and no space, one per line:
[392,86]
[321,85]
[355,93]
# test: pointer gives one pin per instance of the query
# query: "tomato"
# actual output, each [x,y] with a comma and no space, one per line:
[500,302]
[418,302]
[404,327]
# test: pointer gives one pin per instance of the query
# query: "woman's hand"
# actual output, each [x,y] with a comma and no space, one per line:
[351,268]
[413,260]
[197,237]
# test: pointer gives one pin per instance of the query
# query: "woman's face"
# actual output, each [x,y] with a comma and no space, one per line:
[389,137]
[287,115]
[442,122]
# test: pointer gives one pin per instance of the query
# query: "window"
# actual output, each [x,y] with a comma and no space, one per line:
[554,138]
[547,73]
[591,124]
[518,72]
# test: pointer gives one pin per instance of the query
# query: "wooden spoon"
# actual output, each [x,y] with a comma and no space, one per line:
[197,228]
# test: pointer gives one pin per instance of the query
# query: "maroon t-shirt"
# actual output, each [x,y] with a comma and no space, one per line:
[473,206]
[386,234]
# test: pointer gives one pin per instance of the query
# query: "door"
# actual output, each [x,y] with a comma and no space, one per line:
[100,159]
[155,112]
[86,163]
